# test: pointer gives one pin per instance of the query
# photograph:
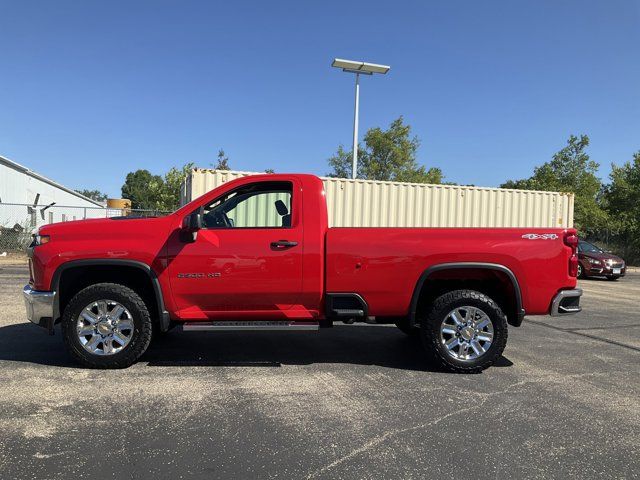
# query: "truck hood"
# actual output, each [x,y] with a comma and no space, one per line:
[141,240]
[104,227]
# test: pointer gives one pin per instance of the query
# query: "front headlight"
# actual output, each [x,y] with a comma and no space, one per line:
[593,261]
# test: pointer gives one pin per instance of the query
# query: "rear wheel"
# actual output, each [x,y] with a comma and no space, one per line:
[580,272]
[465,331]
[106,325]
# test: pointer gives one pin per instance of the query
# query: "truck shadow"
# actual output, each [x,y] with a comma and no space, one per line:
[379,345]
[599,279]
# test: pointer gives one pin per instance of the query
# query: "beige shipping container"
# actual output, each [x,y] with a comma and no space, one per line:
[371,203]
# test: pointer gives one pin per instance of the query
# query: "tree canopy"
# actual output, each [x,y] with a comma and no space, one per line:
[96,195]
[170,192]
[622,201]
[572,171]
[154,192]
[387,155]
[143,189]
[222,162]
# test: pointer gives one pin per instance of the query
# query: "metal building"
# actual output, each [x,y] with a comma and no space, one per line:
[26,199]
[367,203]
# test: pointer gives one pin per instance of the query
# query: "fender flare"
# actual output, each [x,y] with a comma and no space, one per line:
[164,318]
[520,313]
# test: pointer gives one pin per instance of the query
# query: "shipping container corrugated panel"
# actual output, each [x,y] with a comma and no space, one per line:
[370,203]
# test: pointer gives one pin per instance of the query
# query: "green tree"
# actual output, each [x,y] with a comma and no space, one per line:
[222,162]
[572,171]
[387,155]
[143,189]
[96,195]
[622,201]
[153,192]
[170,193]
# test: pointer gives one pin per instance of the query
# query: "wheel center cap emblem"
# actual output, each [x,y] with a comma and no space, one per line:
[104,328]
[467,333]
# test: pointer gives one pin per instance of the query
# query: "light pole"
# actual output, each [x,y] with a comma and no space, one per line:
[358,68]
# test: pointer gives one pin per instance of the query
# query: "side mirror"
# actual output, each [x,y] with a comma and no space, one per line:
[192,223]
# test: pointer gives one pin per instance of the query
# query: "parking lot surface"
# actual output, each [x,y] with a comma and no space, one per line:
[349,402]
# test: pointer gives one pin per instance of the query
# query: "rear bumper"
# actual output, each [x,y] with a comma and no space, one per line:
[566,302]
[39,306]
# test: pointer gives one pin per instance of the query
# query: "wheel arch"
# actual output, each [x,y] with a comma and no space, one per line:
[89,264]
[515,318]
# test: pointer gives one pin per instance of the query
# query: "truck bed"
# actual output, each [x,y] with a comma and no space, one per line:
[383,265]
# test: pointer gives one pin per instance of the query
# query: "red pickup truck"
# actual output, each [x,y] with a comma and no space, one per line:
[257,254]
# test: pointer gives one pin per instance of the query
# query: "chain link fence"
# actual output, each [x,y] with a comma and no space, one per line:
[18,220]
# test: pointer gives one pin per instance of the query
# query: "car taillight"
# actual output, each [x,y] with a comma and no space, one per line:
[571,240]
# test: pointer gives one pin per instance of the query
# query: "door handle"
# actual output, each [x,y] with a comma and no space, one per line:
[283,244]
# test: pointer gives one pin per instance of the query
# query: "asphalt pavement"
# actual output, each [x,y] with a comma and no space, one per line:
[352,402]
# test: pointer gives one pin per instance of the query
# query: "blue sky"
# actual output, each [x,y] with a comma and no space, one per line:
[92,90]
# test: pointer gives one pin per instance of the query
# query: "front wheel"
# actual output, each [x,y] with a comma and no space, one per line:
[613,279]
[106,325]
[465,331]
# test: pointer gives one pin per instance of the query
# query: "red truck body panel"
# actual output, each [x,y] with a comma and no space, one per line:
[140,240]
[256,281]
[383,265]
[235,273]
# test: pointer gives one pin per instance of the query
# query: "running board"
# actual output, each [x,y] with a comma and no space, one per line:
[285,325]
[347,312]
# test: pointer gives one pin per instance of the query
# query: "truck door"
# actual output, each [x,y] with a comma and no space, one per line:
[248,257]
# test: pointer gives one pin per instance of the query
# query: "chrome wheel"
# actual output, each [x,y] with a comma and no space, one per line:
[466,333]
[104,327]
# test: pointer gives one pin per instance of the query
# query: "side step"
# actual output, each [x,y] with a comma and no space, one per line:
[346,305]
[251,325]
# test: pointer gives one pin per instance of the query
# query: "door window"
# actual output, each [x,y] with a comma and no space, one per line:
[257,205]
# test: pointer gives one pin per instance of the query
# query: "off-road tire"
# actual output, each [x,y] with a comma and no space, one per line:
[430,330]
[141,319]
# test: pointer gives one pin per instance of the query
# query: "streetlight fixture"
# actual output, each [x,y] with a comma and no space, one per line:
[358,68]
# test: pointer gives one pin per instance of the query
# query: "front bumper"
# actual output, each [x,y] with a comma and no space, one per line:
[39,307]
[566,302]
[607,270]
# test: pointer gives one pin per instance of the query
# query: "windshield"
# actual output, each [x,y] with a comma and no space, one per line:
[589,248]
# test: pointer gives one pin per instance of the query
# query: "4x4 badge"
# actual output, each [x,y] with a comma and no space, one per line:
[540,236]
